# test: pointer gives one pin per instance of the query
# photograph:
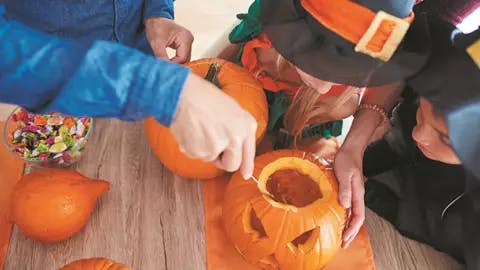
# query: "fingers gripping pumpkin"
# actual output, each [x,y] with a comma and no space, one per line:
[94,264]
[234,81]
[291,219]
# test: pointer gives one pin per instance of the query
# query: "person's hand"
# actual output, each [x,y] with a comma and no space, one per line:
[349,172]
[211,126]
[163,33]
[323,147]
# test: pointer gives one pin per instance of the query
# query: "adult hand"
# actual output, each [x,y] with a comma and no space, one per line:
[349,172]
[211,126]
[163,33]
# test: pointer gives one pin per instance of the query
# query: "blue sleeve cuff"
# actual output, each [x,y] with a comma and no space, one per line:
[114,81]
[159,8]
[162,82]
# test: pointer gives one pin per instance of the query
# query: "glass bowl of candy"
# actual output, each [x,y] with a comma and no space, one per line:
[46,140]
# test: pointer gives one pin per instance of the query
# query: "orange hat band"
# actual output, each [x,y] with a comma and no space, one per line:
[375,34]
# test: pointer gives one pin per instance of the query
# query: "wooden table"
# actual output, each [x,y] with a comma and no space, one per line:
[153,220]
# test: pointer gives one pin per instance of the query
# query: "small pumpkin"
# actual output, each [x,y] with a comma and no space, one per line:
[291,219]
[234,81]
[50,205]
[95,264]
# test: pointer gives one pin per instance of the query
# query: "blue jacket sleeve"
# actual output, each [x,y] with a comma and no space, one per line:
[158,8]
[101,79]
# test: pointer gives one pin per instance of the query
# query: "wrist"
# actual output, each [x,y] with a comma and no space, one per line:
[364,125]
[374,113]
[353,148]
[153,21]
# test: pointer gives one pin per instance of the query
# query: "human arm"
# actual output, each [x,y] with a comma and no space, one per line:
[44,73]
[348,161]
[102,79]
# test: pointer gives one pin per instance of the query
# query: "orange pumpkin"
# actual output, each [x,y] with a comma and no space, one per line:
[291,219]
[50,205]
[95,264]
[234,81]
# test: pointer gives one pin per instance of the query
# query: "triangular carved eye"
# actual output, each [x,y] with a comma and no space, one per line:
[305,242]
[256,224]
[253,224]
[303,238]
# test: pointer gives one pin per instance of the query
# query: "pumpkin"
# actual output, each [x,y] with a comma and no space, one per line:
[291,218]
[50,205]
[234,81]
[95,264]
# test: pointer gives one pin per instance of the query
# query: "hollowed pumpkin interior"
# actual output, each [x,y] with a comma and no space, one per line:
[294,183]
[293,187]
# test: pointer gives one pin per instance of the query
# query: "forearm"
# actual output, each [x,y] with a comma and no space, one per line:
[366,121]
[43,73]
[158,8]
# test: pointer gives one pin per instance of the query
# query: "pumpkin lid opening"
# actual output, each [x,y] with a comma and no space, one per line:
[293,187]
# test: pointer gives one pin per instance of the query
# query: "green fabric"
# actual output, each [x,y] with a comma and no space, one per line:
[250,26]
[278,103]
[238,58]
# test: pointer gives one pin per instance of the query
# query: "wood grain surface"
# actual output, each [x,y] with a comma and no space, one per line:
[152,220]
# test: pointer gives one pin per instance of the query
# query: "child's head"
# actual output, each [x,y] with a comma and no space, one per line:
[431,135]
[285,71]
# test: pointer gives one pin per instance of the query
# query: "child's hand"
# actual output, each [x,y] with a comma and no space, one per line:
[349,172]
[323,147]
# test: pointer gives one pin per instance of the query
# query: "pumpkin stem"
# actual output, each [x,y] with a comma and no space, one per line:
[212,74]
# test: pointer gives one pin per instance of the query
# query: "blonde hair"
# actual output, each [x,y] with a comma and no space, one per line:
[306,108]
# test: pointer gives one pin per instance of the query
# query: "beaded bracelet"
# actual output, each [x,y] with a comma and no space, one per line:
[375,108]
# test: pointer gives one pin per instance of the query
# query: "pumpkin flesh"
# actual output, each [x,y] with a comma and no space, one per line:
[291,219]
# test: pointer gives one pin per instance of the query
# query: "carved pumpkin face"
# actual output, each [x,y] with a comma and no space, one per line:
[95,264]
[291,218]
[234,81]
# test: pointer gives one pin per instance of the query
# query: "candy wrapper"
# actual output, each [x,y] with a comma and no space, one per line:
[53,138]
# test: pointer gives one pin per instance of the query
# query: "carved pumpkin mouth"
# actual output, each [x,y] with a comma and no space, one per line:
[293,187]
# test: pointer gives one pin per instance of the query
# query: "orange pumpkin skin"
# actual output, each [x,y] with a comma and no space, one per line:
[237,83]
[290,237]
[95,264]
[50,205]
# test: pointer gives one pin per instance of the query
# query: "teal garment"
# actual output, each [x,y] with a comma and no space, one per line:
[249,27]
[278,103]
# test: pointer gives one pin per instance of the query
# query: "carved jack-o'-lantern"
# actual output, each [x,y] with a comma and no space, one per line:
[95,264]
[291,218]
[236,82]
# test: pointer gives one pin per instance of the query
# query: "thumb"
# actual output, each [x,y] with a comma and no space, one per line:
[345,190]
